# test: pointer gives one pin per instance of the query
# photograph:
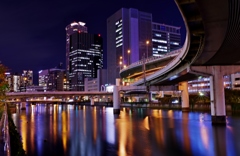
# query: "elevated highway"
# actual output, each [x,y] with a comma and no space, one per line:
[211,49]
[152,64]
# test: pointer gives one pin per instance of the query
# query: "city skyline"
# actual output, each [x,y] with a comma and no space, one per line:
[36,30]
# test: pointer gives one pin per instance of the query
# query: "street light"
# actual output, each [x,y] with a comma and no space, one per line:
[144,63]
[147,88]
[147,42]
[144,68]
[120,64]
[128,57]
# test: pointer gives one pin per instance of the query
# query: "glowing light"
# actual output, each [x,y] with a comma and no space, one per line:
[201,94]
[146,123]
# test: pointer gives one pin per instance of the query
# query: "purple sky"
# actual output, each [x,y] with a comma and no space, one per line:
[32,33]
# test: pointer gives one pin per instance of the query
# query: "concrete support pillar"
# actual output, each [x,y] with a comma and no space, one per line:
[137,99]
[92,101]
[149,94]
[217,96]
[185,96]
[116,100]
[23,106]
[162,94]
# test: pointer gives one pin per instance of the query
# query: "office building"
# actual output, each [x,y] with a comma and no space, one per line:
[71,29]
[53,79]
[166,38]
[132,36]
[19,82]
[97,84]
[85,58]
[14,81]
[26,79]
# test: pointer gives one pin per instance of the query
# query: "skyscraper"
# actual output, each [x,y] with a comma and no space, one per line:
[70,29]
[132,36]
[165,38]
[85,58]
[127,29]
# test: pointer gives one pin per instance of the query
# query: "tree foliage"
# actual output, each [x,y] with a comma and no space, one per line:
[232,96]
[3,83]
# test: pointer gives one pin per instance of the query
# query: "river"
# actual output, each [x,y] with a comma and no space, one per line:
[73,130]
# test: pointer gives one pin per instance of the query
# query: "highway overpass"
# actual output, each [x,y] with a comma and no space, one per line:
[211,49]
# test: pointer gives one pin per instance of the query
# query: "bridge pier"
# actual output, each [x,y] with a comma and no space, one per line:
[23,105]
[217,99]
[116,100]
[92,101]
[183,86]
[217,95]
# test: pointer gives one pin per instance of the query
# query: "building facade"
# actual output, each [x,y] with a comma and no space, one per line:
[132,36]
[26,80]
[53,79]
[97,84]
[19,82]
[14,81]
[85,58]
[165,38]
[71,29]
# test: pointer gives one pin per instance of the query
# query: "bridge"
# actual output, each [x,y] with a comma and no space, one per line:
[211,49]
[58,97]
[11,95]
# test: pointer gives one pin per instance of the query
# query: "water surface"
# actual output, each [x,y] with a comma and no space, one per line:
[69,130]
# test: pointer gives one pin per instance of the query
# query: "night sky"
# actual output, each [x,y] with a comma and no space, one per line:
[32,33]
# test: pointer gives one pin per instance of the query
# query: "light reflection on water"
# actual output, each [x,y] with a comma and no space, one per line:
[83,130]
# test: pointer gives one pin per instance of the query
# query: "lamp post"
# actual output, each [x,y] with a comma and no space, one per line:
[144,68]
[147,87]
[120,62]
[147,42]
[128,57]
[144,63]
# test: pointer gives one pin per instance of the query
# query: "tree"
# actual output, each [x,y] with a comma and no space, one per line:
[3,83]
[232,97]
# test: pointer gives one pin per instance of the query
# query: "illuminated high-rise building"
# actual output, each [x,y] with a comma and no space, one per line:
[71,29]
[166,38]
[27,77]
[53,79]
[132,36]
[127,29]
[85,58]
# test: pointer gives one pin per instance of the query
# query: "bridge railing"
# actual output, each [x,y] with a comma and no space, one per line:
[5,132]
[152,59]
